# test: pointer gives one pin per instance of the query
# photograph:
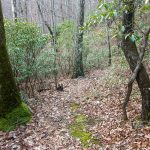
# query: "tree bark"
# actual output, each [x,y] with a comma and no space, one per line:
[54,42]
[9,95]
[109,46]
[14,9]
[26,10]
[132,56]
[78,61]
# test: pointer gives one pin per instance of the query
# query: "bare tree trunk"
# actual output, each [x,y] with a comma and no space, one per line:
[109,46]
[69,9]
[9,95]
[52,31]
[14,9]
[26,10]
[78,62]
[54,41]
[62,11]
[132,56]
[20,9]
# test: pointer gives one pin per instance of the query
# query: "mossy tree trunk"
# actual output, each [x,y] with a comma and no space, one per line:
[78,61]
[9,95]
[132,56]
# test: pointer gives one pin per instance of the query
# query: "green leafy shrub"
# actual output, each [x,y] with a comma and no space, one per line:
[65,45]
[24,42]
[94,55]
[32,55]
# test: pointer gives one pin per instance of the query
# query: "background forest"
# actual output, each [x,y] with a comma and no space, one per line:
[81,70]
[28,43]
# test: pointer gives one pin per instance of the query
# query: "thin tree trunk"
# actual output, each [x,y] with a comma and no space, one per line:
[9,95]
[62,11]
[54,42]
[78,61]
[52,31]
[132,56]
[26,10]
[20,9]
[109,46]
[14,9]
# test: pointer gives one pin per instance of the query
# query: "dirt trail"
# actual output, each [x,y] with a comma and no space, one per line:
[49,129]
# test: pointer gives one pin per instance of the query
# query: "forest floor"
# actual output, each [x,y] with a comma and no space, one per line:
[86,116]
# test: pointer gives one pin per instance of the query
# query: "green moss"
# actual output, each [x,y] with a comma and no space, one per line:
[78,130]
[75,106]
[84,137]
[81,119]
[18,116]
[96,141]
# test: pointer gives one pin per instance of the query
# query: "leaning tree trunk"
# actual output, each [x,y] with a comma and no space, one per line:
[9,95]
[78,62]
[132,56]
